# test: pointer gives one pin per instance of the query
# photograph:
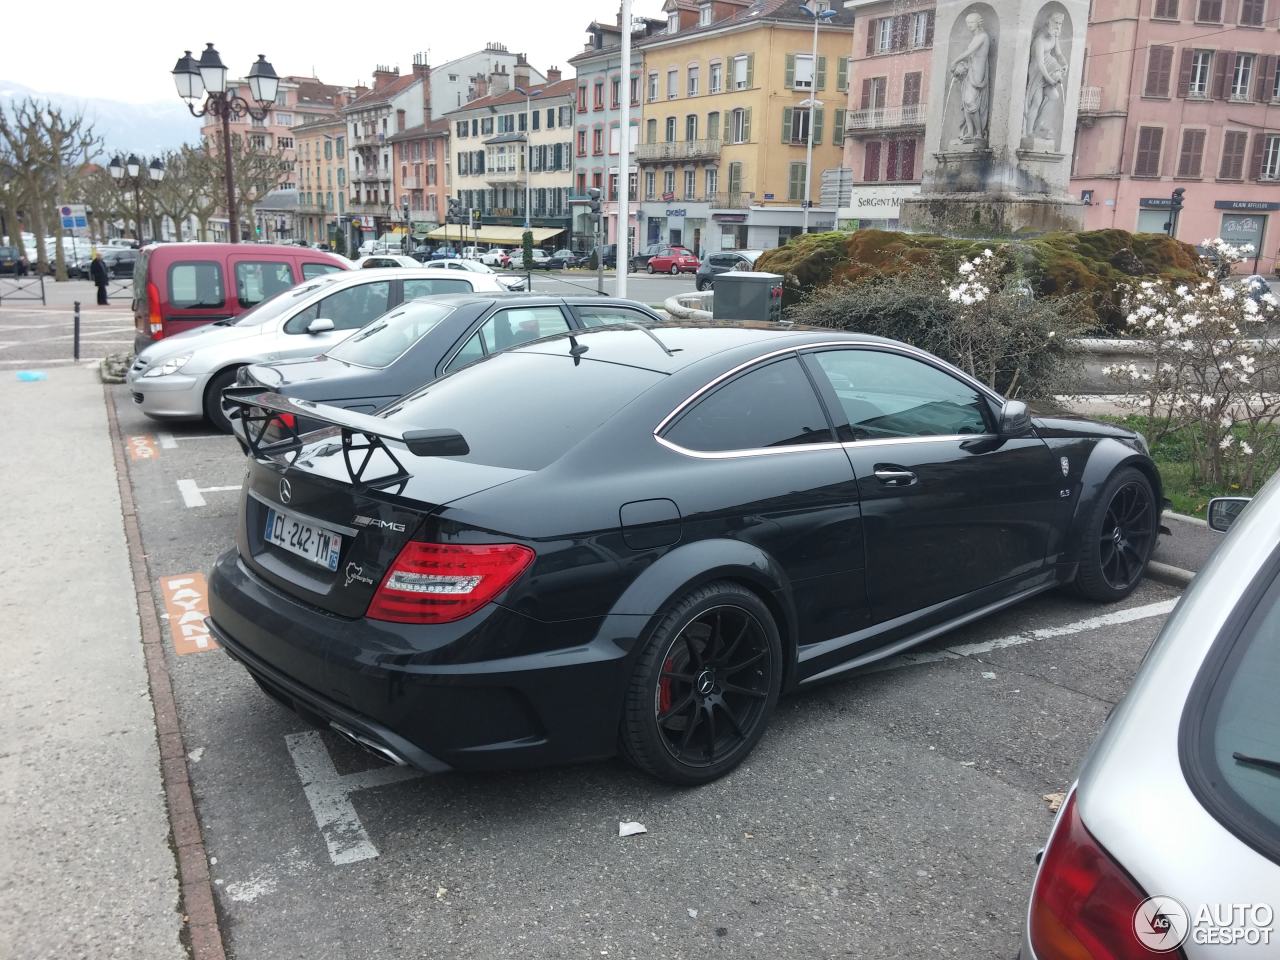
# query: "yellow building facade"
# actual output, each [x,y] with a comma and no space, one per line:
[728,94]
[320,147]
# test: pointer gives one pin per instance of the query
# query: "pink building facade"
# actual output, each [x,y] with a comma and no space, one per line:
[1183,94]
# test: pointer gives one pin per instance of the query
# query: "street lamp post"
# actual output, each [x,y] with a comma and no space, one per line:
[819,10]
[209,76]
[528,150]
[130,172]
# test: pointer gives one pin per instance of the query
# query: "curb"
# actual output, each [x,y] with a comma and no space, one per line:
[199,915]
[1184,518]
[1169,575]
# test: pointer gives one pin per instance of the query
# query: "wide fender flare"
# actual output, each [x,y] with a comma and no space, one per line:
[1107,456]
[640,607]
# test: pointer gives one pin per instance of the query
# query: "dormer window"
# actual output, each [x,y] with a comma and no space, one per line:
[673,23]
[704,15]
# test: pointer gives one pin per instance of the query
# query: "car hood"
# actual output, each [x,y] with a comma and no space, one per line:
[190,341]
[1065,425]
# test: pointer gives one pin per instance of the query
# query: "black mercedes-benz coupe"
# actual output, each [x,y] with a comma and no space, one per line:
[635,539]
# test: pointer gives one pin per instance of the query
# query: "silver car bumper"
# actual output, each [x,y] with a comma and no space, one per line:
[178,396]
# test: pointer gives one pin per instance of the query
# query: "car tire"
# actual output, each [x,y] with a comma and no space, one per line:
[675,270]
[649,267]
[1117,538]
[701,285]
[713,663]
[213,398]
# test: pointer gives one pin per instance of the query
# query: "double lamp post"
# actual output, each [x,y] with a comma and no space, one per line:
[131,173]
[208,77]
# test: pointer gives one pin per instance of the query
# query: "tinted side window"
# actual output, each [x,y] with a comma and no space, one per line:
[257,281]
[426,287]
[312,270]
[509,328]
[348,309]
[196,284]
[770,406]
[599,316]
[889,396]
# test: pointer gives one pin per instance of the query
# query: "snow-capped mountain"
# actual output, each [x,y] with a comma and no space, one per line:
[142,128]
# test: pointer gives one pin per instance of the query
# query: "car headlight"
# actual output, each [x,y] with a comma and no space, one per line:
[172,365]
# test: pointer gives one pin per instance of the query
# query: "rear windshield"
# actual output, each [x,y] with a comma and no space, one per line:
[524,410]
[385,340]
[1237,745]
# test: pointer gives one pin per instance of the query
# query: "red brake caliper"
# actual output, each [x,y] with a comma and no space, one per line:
[664,686]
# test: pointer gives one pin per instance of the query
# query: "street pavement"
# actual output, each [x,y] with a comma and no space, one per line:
[86,869]
[893,814]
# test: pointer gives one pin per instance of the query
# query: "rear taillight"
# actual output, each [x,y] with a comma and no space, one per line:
[1084,902]
[153,312]
[439,583]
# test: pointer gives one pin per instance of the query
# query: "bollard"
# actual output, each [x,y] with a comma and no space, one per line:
[75,340]
[43,301]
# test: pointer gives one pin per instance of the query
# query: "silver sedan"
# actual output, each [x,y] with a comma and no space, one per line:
[182,377]
[1170,839]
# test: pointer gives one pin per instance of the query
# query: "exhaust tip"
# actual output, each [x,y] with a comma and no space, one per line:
[381,751]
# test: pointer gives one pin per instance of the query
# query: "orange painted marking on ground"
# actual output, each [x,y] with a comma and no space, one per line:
[186,598]
[142,447]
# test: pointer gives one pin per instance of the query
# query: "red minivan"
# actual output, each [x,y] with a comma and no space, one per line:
[180,286]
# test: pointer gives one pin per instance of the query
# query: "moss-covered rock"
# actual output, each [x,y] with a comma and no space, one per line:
[1097,264]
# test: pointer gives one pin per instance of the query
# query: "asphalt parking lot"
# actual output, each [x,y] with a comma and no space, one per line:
[892,814]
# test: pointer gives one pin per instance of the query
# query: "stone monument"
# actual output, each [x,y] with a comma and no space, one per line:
[1003,98]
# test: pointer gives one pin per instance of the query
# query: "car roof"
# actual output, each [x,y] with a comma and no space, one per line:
[683,343]
[517,298]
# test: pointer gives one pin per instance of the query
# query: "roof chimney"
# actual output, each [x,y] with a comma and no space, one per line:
[383,75]
[499,81]
[553,75]
[420,67]
[521,73]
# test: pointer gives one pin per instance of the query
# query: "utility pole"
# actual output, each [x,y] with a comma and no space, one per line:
[622,259]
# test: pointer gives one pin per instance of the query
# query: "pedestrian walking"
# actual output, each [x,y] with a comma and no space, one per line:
[98,273]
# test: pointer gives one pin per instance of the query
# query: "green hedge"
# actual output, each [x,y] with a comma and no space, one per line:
[1096,264]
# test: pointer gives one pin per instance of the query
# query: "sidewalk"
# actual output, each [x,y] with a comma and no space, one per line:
[86,867]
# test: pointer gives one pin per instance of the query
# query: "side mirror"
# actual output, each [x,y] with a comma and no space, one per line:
[1223,512]
[1015,421]
[320,325]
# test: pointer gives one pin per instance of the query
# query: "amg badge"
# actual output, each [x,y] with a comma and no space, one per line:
[1066,466]
[377,524]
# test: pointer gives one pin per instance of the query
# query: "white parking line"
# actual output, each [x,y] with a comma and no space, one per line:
[193,495]
[329,795]
[168,441]
[1128,615]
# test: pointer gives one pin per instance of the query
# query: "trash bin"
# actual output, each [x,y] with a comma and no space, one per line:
[747,296]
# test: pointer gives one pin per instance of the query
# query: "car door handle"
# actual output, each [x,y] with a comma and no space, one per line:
[894,476]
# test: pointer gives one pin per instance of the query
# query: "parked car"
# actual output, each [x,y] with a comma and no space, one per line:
[475,266]
[472,253]
[608,253]
[541,259]
[181,286]
[12,263]
[564,259]
[182,377]
[718,263]
[636,538]
[122,242]
[120,261]
[386,260]
[427,338]
[1189,761]
[675,260]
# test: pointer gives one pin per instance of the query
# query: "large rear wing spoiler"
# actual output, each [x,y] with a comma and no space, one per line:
[363,435]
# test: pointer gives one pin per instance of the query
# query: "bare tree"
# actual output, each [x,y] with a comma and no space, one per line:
[255,171]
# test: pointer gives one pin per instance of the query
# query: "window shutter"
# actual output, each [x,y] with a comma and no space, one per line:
[871,37]
[842,74]
[866,93]
[891,161]
[1190,155]
[1224,65]
[746,125]
[928,32]
[837,135]
[1150,140]
[820,80]
[907,159]
[1184,72]
[791,71]
[1266,78]
[1234,143]
[751,68]
[1159,64]
[816,120]
[787,117]
[871,161]
[1259,148]
[911,90]
[1231,12]
[900,24]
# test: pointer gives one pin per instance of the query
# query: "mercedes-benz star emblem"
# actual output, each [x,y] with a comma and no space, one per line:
[706,683]
[286,492]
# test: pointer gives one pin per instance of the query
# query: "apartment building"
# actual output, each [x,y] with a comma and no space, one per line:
[502,143]
[420,168]
[598,137]
[730,89]
[395,103]
[887,80]
[454,82]
[1183,94]
[321,173]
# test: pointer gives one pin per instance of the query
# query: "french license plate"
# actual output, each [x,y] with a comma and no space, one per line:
[311,543]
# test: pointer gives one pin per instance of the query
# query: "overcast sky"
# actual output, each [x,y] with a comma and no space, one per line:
[126,52]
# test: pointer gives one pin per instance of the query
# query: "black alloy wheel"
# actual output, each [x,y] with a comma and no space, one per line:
[705,686]
[1119,540]
[701,284]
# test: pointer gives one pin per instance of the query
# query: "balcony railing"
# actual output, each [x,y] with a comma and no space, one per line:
[732,201]
[885,118]
[678,150]
[1090,99]
[411,183]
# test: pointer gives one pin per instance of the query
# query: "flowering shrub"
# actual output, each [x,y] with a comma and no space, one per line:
[1211,371]
[982,316]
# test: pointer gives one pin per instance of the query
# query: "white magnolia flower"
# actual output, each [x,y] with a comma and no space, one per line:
[1227,441]
[1246,449]
[966,268]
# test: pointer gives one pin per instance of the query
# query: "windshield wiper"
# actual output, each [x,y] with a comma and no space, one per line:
[1262,763]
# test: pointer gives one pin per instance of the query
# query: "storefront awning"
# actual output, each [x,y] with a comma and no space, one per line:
[511,236]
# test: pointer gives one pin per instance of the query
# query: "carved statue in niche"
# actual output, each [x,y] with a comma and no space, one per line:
[972,72]
[1046,82]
